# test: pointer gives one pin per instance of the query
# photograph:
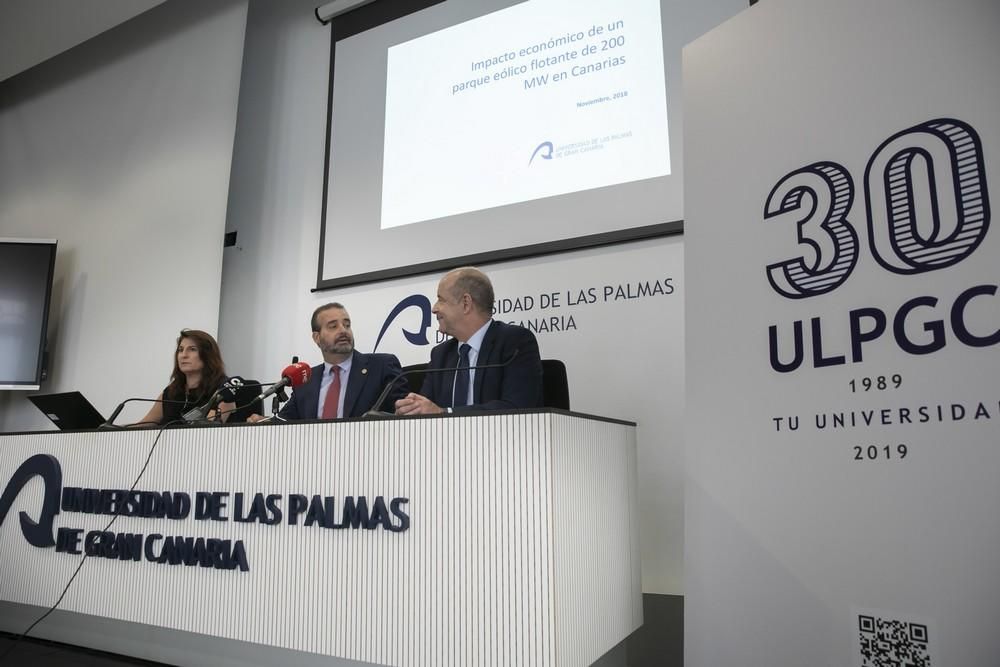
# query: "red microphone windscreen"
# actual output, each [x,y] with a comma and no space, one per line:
[297,374]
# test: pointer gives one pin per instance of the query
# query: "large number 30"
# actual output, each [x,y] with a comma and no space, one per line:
[926,203]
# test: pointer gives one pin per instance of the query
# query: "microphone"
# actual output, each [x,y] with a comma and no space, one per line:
[281,395]
[375,412]
[114,415]
[293,375]
[224,394]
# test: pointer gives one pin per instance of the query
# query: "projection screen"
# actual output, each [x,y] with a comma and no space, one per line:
[485,130]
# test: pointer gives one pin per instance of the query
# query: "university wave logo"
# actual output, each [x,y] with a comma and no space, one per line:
[418,337]
[544,151]
[37,533]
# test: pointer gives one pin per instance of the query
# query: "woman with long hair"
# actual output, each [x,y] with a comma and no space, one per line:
[198,373]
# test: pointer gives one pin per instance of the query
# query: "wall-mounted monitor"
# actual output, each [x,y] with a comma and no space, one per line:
[26,270]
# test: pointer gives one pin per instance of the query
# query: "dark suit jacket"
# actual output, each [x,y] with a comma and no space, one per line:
[516,385]
[370,373]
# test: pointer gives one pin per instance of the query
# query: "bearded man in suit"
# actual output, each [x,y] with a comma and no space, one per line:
[348,382]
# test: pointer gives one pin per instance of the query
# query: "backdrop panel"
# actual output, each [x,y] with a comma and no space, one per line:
[842,329]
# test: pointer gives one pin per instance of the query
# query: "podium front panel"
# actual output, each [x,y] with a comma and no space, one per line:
[445,541]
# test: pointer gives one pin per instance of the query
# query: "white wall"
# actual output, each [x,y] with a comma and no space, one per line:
[120,149]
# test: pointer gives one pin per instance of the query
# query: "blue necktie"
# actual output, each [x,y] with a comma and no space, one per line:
[461,395]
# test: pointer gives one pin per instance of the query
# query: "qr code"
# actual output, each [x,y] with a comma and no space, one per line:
[890,643]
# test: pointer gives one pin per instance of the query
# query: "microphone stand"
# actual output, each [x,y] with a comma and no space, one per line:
[110,423]
[279,398]
[199,414]
[276,402]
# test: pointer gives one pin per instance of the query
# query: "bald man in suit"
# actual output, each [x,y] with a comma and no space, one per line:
[464,309]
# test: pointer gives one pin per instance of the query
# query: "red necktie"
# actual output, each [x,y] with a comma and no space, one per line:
[332,395]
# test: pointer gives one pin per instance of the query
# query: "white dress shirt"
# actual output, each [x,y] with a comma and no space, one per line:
[475,343]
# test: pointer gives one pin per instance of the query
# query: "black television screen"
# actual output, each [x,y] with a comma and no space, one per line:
[26,268]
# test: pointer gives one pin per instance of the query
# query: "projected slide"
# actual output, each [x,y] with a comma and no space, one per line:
[544,98]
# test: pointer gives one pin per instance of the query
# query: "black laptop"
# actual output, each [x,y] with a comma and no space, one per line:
[70,411]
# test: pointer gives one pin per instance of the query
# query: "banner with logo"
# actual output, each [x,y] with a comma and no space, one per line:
[843,336]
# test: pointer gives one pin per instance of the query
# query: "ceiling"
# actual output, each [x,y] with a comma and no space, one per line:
[32,31]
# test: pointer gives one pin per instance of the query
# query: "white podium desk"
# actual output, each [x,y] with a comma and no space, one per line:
[490,539]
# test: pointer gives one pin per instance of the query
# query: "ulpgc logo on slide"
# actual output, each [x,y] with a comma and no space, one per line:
[547,150]
[544,151]
[926,205]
